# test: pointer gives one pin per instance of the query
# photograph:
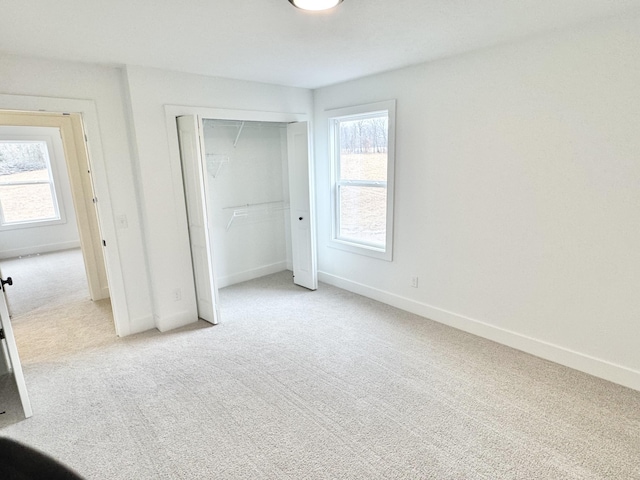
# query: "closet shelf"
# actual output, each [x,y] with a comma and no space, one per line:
[258,209]
[215,162]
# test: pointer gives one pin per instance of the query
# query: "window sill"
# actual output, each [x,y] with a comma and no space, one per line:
[32,224]
[360,249]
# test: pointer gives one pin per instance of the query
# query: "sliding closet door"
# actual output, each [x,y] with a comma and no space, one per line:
[303,241]
[191,153]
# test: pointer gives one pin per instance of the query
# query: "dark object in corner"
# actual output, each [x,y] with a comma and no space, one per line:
[20,462]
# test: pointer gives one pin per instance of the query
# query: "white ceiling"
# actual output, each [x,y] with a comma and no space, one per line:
[271,41]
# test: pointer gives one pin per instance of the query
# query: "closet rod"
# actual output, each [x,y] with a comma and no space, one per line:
[264,207]
[260,204]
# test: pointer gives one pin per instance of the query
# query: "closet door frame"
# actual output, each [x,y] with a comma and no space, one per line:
[174,111]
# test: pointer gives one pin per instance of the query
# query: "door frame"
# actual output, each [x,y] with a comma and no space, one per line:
[77,167]
[174,111]
[90,140]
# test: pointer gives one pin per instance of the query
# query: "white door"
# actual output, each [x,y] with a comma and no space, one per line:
[303,239]
[11,349]
[195,188]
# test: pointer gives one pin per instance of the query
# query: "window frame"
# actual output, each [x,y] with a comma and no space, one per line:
[54,184]
[335,116]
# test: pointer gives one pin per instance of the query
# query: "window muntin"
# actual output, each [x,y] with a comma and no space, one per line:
[27,190]
[362,163]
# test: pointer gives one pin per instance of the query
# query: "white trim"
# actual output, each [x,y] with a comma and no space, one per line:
[232,114]
[251,274]
[570,358]
[171,322]
[61,220]
[171,113]
[50,247]
[89,112]
[362,111]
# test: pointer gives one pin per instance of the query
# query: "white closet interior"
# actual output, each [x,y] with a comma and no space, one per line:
[248,198]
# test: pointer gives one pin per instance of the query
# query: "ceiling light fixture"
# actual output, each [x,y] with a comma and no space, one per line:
[315,5]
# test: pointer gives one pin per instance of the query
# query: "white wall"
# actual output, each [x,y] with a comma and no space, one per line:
[517,180]
[36,238]
[33,84]
[250,176]
[167,242]
[517,194]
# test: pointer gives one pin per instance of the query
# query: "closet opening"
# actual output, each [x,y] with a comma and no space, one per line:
[252,178]
[248,196]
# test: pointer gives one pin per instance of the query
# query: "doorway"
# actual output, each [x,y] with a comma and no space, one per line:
[38,220]
[258,199]
[248,198]
[47,204]
[68,146]
[248,163]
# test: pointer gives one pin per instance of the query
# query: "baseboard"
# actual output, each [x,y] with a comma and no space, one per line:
[104,293]
[177,320]
[138,325]
[251,274]
[52,247]
[555,353]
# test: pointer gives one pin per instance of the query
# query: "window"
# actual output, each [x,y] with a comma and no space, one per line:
[27,190]
[363,166]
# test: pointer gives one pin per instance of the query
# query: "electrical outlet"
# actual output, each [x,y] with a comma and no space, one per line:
[177,295]
[414,282]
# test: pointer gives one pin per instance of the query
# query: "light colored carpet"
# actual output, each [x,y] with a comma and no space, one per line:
[295,384]
[45,281]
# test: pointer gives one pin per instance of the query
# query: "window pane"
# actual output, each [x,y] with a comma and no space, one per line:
[25,162]
[363,166]
[363,148]
[363,214]
[22,203]
[16,157]
[362,161]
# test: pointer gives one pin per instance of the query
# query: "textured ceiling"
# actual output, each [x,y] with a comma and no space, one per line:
[271,41]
